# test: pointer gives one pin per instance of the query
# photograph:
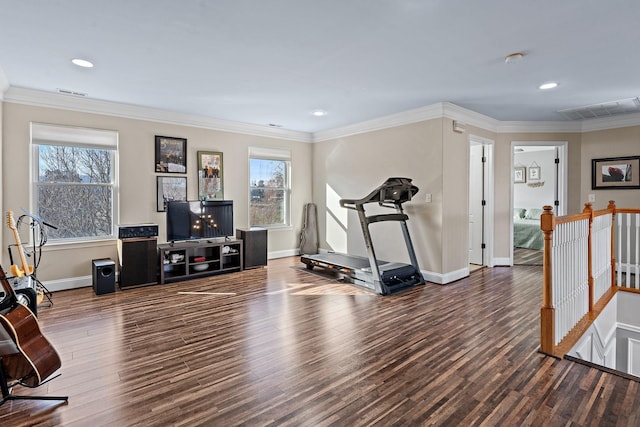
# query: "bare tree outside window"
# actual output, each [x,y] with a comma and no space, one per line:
[74,190]
[269,192]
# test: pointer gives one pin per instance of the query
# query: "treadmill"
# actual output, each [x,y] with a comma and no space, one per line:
[368,272]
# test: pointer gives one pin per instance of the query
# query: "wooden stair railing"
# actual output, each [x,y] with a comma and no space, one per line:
[550,327]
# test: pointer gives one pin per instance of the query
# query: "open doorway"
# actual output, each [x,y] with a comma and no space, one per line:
[539,179]
[480,202]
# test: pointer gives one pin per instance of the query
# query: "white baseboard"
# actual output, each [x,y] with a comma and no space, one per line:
[502,262]
[439,278]
[443,279]
[68,283]
[283,254]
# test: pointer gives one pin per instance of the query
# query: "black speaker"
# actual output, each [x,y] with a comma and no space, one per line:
[254,242]
[104,276]
[138,261]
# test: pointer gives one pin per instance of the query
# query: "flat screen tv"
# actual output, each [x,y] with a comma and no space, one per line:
[187,220]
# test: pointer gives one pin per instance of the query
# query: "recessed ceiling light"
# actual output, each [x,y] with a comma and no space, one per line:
[319,113]
[546,86]
[82,63]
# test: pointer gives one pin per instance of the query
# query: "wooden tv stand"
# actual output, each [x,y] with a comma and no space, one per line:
[199,258]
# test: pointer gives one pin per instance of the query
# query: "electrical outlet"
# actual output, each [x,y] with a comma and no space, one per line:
[592,198]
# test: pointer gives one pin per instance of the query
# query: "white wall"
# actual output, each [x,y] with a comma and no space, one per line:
[137,175]
[529,194]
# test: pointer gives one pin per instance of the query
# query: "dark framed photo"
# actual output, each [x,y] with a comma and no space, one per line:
[615,173]
[171,154]
[519,174]
[210,177]
[170,188]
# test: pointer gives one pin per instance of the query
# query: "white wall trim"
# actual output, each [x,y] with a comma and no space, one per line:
[502,262]
[40,98]
[4,84]
[445,278]
[68,283]
[621,121]
[69,102]
[283,254]
[434,111]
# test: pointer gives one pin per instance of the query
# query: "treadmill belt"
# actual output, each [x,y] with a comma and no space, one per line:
[352,262]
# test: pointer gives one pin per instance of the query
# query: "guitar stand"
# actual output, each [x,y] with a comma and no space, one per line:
[6,390]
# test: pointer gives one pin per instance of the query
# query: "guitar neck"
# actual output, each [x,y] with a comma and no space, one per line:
[16,236]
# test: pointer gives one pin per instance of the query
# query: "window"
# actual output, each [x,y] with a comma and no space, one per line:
[73,184]
[269,187]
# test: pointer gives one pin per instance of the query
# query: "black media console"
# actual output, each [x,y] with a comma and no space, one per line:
[193,259]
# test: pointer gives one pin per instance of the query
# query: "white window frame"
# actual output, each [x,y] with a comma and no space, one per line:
[71,136]
[274,154]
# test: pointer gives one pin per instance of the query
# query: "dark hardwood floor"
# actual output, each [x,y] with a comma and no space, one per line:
[522,256]
[292,348]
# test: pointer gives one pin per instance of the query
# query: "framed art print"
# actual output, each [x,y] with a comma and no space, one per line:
[171,154]
[519,174]
[170,188]
[210,177]
[615,173]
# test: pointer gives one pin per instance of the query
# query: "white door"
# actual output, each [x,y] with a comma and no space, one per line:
[476,208]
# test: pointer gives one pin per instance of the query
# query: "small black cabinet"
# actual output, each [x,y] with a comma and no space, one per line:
[255,246]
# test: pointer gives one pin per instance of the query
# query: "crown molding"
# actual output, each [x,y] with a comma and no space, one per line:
[621,121]
[40,98]
[469,117]
[435,111]
[539,127]
[4,84]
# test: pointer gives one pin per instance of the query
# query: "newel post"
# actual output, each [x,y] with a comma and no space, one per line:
[547,311]
[588,209]
[612,207]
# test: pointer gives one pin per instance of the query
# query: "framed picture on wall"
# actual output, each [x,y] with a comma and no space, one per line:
[170,188]
[615,173]
[210,177]
[534,173]
[171,154]
[519,174]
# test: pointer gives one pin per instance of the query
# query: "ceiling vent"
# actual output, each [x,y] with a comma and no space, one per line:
[607,109]
[71,92]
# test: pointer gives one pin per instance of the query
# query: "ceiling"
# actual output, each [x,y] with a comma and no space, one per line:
[274,62]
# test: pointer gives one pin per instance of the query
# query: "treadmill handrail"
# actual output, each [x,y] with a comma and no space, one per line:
[387,217]
[401,189]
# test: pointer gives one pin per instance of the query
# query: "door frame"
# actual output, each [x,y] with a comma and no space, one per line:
[488,214]
[563,151]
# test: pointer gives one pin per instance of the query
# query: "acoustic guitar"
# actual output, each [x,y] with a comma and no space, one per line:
[35,359]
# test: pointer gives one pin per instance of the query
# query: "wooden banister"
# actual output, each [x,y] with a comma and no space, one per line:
[547,311]
[588,209]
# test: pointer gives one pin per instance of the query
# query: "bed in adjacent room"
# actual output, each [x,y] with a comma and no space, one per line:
[526,228]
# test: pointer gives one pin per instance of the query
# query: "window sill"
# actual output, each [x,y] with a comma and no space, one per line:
[79,244]
[275,227]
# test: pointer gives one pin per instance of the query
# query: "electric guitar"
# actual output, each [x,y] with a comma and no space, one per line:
[25,269]
[36,359]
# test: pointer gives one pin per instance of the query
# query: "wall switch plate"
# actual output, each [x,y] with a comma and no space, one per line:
[592,197]
[427,197]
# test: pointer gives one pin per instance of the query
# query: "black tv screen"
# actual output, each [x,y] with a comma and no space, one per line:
[187,220]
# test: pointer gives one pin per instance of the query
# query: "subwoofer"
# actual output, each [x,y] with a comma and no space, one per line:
[104,276]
